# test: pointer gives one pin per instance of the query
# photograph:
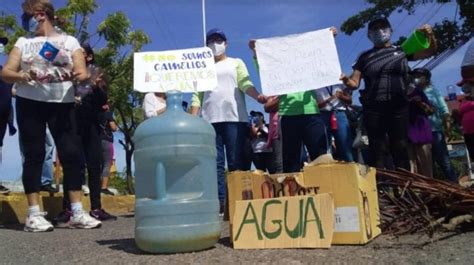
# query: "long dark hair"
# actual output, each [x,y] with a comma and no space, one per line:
[89,51]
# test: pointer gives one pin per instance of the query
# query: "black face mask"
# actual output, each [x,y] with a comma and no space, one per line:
[25,21]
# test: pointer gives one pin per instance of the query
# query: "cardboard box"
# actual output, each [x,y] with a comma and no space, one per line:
[353,186]
[286,222]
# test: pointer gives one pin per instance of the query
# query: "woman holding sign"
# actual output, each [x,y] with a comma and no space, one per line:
[300,124]
[43,67]
[384,69]
[225,107]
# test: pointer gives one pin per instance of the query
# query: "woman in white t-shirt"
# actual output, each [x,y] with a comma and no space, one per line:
[154,104]
[43,67]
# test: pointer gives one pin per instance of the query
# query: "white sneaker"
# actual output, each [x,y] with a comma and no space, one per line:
[37,223]
[85,190]
[84,221]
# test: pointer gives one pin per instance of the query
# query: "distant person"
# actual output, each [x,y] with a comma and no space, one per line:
[274,138]
[419,130]
[108,127]
[5,112]
[43,67]
[440,123]
[154,104]
[225,109]
[467,105]
[333,102]
[262,153]
[91,95]
[384,69]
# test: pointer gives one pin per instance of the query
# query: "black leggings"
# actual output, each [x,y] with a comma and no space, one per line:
[387,128]
[89,131]
[32,118]
[4,115]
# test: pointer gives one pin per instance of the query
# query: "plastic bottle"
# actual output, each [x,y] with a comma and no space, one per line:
[177,209]
[451,90]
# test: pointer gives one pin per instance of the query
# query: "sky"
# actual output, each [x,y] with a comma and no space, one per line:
[177,24]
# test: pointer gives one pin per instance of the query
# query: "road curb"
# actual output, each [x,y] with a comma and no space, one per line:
[14,206]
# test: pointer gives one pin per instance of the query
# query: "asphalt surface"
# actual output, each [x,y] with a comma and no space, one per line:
[114,244]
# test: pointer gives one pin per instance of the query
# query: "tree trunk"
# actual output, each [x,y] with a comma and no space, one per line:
[130,148]
[128,161]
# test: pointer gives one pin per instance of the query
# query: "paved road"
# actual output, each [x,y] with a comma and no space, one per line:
[114,243]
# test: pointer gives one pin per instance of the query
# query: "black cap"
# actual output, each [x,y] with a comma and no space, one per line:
[4,40]
[216,31]
[379,20]
[422,71]
[256,113]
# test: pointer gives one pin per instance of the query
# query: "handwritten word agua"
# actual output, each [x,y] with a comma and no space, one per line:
[307,210]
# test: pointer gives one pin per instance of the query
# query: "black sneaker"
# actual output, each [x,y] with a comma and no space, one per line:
[63,219]
[4,190]
[49,188]
[107,192]
[102,215]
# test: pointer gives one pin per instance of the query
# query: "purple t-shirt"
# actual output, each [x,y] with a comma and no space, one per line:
[419,128]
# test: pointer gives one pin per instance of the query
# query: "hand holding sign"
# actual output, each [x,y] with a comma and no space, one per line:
[299,62]
[189,70]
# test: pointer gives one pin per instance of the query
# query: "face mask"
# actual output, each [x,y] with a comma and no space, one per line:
[30,25]
[217,49]
[33,24]
[380,36]
[417,81]
[2,48]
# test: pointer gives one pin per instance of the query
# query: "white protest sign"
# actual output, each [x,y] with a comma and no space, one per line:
[188,70]
[298,62]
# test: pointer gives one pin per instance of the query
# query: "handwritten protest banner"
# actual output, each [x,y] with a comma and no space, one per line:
[299,62]
[285,222]
[188,70]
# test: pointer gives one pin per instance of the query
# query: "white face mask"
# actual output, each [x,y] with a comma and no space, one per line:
[217,49]
[2,48]
[417,81]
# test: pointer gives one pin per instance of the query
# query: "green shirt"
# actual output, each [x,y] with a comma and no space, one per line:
[299,103]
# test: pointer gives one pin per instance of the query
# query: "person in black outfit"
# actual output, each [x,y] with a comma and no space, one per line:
[385,69]
[90,97]
[6,112]
[108,127]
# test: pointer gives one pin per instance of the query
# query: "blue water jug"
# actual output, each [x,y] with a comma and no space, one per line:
[176,209]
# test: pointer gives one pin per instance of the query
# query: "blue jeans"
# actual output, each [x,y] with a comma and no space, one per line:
[298,130]
[230,136]
[47,172]
[342,135]
[440,156]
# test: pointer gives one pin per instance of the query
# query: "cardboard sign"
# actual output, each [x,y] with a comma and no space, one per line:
[189,70]
[353,186]
[287,222]
[298,62]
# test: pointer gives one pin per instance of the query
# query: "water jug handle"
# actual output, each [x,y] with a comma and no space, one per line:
[160,174]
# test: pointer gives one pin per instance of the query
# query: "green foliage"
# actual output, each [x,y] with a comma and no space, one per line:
[459,168]
[9,28]
[448,33]
[120,183]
